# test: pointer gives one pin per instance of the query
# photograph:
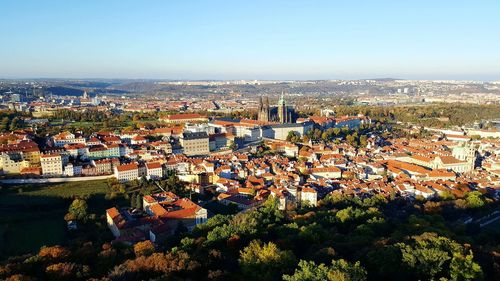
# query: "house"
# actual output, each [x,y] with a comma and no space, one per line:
[66,138]
[9,164]
[330,172]
[308,196]
[126,172]
[138,139]
[195,143]
[52,164]
[173,210]
[154,170]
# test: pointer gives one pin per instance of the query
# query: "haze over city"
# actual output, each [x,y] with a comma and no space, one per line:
[250,39]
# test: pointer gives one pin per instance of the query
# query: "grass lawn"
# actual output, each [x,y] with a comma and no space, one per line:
[32,215]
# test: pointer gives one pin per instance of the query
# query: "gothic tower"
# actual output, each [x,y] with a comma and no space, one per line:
[282,110]
[264,110]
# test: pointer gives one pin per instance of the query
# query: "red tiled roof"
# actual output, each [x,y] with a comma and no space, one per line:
[127,167]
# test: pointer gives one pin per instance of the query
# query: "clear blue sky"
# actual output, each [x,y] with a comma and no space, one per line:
[271,39]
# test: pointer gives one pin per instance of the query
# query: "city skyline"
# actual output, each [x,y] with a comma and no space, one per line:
[282,40]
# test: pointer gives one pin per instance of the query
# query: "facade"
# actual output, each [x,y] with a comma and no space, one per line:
[280,131]
[154,170]
[52,164]
[127,172]
[195,143]
[326,172]
[66,138]
[12,165]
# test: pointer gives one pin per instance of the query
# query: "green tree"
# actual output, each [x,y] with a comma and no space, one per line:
[4,124]
[78,209]
[293,136]
[337,271]
[429,255]
[462,267]
[15,124]
[474,199]
[233,145]
[265,261]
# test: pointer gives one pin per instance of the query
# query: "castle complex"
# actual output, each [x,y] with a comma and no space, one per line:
[282,113]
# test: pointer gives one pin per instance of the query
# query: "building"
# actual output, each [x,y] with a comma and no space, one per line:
[154,170]
[172,210]
[326,172]
[195,143]
[105,166]
[280,131]
[52,164]
[281,113]
[284,114]
[126,172]
[264,110]
[184,118]
[9,164]
[66,138]
[308,196]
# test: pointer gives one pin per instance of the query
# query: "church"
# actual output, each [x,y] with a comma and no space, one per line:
[281,113]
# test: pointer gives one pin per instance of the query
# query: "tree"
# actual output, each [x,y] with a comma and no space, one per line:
[338,270]
[133,200]
[464,268]
[233,145]
[78,209]
[265,261]
[144,248]
[4,124]
[363,141]
[474,199]
[293,136]
[138,201]
[67,271]
[429,255]
[15,124]
[54,253]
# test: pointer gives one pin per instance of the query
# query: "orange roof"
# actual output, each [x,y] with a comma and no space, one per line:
[153,165]
[127,167]
[113,212]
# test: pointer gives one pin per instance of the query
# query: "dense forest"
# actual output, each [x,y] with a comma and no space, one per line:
[345,238]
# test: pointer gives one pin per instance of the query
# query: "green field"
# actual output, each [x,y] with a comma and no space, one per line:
[31,215]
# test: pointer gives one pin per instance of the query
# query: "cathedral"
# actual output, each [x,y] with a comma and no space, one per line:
[282,113]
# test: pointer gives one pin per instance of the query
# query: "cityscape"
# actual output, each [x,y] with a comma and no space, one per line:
[262,162]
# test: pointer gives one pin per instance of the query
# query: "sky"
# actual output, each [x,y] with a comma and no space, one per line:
[257,39]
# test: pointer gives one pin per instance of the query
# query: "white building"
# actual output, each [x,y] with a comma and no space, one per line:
[52,164]
[154,170]
[127,172]
[66,138]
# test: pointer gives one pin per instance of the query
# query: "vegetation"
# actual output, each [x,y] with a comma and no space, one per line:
[345,238]
[33,215]
[434,115]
